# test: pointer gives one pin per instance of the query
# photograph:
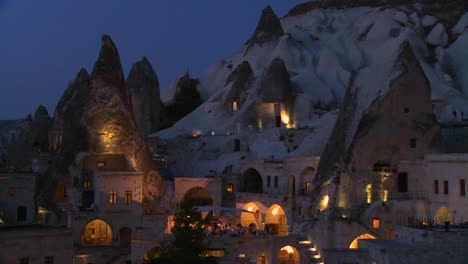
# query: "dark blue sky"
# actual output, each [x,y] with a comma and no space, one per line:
[43,44]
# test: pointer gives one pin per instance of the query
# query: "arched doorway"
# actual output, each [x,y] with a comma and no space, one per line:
[251,218]
[442,216]
[125,237]
[276,221]
[251,181]
[96,233]
[288,255]
[305,180]
[197,196]
[355,243]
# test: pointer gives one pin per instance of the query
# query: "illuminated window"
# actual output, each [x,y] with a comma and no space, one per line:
[436,186]
[241,255]
[113,197]
[11,191]
[230,188]
[87,184]
[261,260]
[369,193]
[385,195]
[308,187]
[214,252]
[234,106]
[376,223]
[260,124]
[100,164]
[462,187]
[128,197]
[49,260]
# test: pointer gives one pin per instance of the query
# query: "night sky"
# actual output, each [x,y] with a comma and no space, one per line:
[44,44]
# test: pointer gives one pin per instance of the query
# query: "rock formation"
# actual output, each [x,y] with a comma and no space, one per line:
[241,78]
[275,85]
[143,85]
[268,28]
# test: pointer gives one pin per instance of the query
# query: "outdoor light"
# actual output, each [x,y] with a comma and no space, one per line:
[275,211]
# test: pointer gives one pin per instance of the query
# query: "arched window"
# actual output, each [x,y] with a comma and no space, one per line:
[251,181]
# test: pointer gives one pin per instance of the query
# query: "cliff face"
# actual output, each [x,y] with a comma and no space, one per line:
[95,116]
[143,85]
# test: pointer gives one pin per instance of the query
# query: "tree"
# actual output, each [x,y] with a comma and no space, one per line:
[187,244]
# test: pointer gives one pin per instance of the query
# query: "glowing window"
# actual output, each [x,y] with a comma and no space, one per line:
[128,197]
[11,191]
[87,184]
[308,187]
[242,255]
[113,197]
[376,223]
[230,188]
[369,193]
[385,195]
[100,164]
[234,106]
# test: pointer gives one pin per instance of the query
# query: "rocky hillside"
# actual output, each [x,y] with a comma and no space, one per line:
[339,58]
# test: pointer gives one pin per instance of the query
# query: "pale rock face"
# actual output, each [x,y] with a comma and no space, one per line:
[461,25]
[438,36]
[428,21]
[144,92]
[401,17]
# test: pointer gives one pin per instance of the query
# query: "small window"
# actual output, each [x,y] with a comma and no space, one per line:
[402,182]
[113,197]
[100,164]
[234,106]
[462,187]
[24,260]
[413,143]
[236,145]
[21,214]
[49,260]
[406,110]
[230,188]
[446,187]
[276,181]
[11,191]
[128,197]
[268,181]
[436,186]
[261,260]
[87,184]
[308,187]
[376,223]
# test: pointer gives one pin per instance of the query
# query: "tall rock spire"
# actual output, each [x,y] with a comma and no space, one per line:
[268,28]
[143,85]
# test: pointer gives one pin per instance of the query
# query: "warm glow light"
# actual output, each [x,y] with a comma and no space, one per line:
[241,255]
[376,223]
[317,256]
[325,200]
[313,249]
[275,211]
[355,242]
[285,119]
[369,193]
[305,242]
[288,249]
[234,106]
[196,133]
[250,209]
[385,195]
